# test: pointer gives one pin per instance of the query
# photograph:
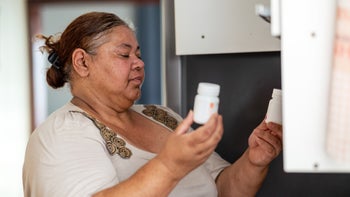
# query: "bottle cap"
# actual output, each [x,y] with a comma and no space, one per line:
[276,93]
[208,89]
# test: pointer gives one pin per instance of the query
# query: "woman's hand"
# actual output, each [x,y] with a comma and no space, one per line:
[184,151]
[265,143]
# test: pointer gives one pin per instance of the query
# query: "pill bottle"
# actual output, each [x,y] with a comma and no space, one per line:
[274,110]
[206,102]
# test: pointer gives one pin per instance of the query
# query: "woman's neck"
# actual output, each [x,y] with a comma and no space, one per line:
[103,112]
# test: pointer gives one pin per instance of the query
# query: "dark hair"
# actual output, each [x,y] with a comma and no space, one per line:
[84,33]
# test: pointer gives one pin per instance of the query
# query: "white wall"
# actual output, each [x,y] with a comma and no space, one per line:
[14,95]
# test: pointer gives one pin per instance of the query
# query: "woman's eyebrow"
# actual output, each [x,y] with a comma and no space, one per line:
[125,45]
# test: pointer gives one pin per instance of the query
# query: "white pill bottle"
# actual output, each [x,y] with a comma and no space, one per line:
[206,102]
[274,110]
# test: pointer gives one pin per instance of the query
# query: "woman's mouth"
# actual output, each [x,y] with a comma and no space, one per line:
[137,80]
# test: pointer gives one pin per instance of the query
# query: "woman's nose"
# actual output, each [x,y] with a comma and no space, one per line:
[138,64]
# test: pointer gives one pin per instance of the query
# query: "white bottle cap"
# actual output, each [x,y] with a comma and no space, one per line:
[208,89]
[276,93]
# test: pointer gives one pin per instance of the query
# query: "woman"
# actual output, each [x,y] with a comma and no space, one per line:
[102,144]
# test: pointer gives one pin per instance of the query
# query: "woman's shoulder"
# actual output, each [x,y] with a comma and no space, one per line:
[159,113]
[65,120]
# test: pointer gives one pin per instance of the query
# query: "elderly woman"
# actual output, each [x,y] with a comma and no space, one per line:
[102,144]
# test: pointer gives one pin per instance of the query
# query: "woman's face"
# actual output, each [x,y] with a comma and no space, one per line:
[117,71]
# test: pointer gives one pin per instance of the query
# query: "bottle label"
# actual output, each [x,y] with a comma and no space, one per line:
[203,110]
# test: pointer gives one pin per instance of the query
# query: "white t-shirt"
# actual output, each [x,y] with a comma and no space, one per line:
[67,156]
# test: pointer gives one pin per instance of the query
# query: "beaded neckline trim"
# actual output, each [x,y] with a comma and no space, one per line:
[161,116]
[114,144]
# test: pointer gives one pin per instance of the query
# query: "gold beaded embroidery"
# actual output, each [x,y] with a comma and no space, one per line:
[114,144]
[161,116]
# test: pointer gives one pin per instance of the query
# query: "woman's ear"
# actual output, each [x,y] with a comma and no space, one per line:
[78,62]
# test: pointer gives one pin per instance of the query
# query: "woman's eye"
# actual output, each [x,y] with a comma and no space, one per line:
[128,56]
[125,55]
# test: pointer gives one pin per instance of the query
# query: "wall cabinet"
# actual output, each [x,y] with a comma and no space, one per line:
[221,26]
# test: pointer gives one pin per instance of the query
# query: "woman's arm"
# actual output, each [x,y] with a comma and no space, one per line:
[246,175]
[153,179]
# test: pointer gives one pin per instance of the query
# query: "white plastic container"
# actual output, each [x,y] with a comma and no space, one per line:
[274,110]
[206,102]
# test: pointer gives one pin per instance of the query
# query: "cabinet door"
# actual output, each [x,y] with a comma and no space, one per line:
[221,26]
[307,59]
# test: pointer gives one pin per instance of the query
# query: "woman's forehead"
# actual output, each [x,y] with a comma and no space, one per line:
[123,36]
[122,32]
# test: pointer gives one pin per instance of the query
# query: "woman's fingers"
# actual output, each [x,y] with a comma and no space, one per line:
[185,124]
[270,138]
[206,138]
[276,129]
